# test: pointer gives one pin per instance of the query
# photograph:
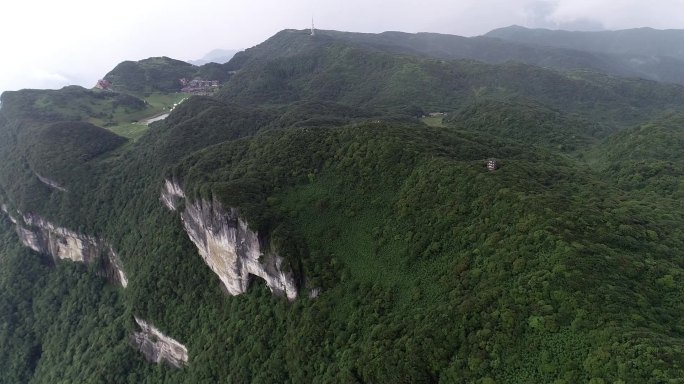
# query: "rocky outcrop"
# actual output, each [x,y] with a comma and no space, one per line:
[50,183]
[232,250]
[112,268]
[172,194]
[157,347]
[4,208]
[44,237]
[61,243]
[313,293]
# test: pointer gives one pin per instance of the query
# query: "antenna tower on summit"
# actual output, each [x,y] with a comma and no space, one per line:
[313,30]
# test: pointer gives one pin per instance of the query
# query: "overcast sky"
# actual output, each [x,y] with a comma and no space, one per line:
[52,43]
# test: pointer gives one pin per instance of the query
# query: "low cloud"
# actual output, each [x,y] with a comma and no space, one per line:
[42,75]
[545,14]
[34,78]
[538,14]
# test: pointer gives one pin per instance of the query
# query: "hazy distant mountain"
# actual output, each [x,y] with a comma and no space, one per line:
[644,52]
[639,41]
[219,56]
[495,50]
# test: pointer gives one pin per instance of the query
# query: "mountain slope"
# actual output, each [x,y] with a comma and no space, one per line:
[646,158]
[526,122]
[410,260]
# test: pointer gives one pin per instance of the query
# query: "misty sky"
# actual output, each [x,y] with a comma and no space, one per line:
[52,43]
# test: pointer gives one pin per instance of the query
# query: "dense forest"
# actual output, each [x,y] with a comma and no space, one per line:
[362,160]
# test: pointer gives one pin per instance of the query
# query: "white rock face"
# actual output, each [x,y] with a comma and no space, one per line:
[50,183]
[117,267]
[172,193]
[4,208]
[44,237]
[314,293]
[59,242]
[227,245]
[157,347]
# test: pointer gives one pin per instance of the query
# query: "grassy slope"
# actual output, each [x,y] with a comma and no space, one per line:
[640,52]
[132,126]
[118,112]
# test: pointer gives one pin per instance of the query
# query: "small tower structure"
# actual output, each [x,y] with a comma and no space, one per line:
[492,165]
[313,30]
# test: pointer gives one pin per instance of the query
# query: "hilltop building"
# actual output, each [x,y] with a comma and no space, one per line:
[103,84]
[199,86]
[492,165]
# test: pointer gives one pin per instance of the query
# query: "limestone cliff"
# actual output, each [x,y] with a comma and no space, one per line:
[44,237]
[172,194]
[50,183]
[4,208]
[232,250]
[157,347]
[61,243]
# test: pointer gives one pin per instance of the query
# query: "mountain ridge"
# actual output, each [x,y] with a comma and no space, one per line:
[359,166]
[645,41]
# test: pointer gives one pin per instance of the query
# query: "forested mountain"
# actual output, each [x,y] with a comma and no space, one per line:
[347,208]
[643,52]
[160,74]
[520,45]
[638,41]
[290,66]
